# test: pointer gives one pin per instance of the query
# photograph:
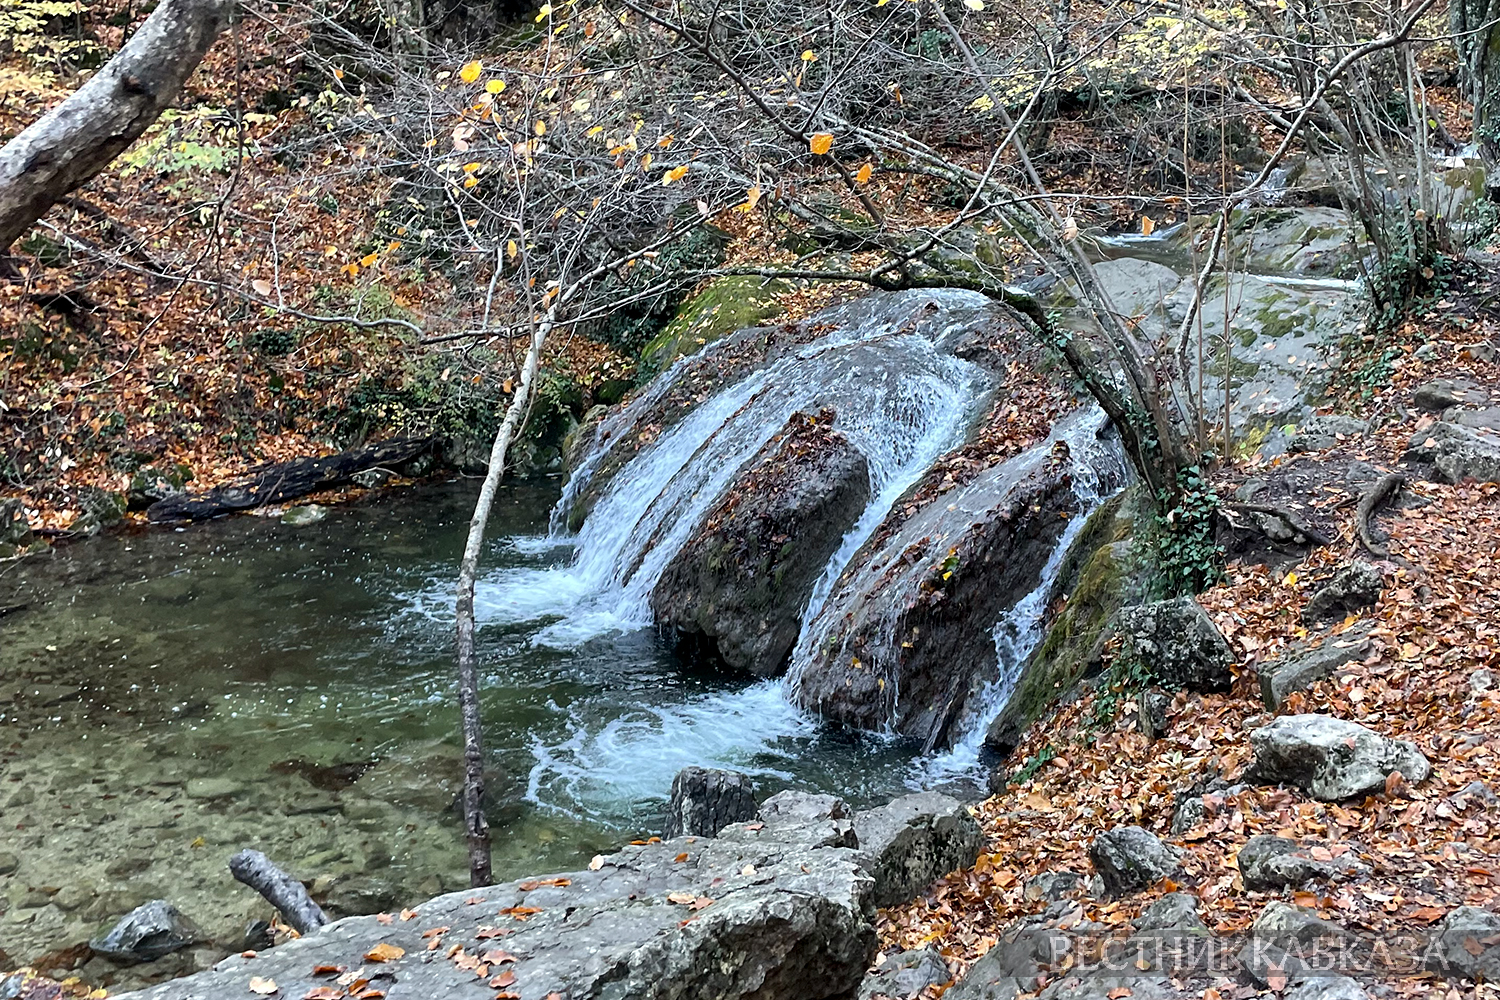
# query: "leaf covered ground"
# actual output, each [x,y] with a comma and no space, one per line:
[1430,678]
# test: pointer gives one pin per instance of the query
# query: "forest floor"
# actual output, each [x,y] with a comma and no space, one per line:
[1428,678]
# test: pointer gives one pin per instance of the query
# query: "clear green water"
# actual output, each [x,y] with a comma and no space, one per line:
[169,697]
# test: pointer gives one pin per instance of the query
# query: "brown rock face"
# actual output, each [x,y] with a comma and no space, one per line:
[742,579]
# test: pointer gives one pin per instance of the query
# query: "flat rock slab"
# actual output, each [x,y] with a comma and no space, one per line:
[914,840]
[753,913]
[1331,759]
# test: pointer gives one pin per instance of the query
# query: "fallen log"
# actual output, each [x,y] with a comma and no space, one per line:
[280,889]
[283,481]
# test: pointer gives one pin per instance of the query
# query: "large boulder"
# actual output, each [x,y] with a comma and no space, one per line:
[1331,759]
[910,842]
[705,801]
[1177,644]
[1454,453]
[1130,858]
[747,914]
[1354,588]
[1268,863]
[894,645]
[1299,669]
[741,580]
[146,933]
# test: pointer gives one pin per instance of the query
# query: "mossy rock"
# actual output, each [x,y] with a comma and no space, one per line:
[722,306]
[1105,570]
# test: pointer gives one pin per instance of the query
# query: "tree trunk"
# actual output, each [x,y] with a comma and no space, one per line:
[71,143]
[1476,36]
[476,827]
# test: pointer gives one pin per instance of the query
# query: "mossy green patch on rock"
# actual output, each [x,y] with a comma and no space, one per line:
[1105,570]
[722,306]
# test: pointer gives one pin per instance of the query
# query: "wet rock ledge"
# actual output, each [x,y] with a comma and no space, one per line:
[778,908]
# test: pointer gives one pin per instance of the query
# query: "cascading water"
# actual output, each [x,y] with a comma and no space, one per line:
[901,397]
[1100,471]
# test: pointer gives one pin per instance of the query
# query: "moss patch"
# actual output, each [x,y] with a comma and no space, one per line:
[722,306]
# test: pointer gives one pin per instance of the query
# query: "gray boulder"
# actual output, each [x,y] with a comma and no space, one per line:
[1454,453]
[146,933]
[1268,863]
[1467,944]
[1325,431]
[1052,886]
[809,818]
[1175,912]
[740,581]
[905,975]
[1129,859]
[747,914]
[915,840]
[705,801]
[1177,644]
[1353,588]
[1331,759]
[1284,938]
[1442,393]
[1299,669]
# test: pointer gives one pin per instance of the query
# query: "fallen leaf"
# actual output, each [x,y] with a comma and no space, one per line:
[265,987]
[323,993]
[385,952]
[820,143]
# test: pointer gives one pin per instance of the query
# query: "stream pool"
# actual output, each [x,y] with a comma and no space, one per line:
[168,697]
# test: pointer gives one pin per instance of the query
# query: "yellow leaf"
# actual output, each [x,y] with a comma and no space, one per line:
[470,71]
[265,987]
[469,168]
[261,286]
[1291,579]
[974,4]
[675,174]
[369,259]
[495,87]
[808,55]
[540,128]
[863,176]
[646,161]
[351,269]
[820,143]
[752,197]
[665,141]
[1148,225]
[384,952]
[511,249]
[541,15]
[470,181]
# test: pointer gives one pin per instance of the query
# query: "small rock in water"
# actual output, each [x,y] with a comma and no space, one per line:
[212,788]
[299,516]
[706,800]
[147,933]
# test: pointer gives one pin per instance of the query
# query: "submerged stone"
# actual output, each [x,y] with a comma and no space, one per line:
[147,933]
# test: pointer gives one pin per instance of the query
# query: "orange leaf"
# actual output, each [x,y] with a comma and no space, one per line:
[323,993]
[864,174]
[820,143]
[385,952]
[503,980]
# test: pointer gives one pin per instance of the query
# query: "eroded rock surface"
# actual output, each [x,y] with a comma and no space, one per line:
[741,580]
[1331,759]
[752,913]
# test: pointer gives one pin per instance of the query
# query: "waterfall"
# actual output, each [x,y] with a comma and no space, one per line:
[900,398]
[1100,470]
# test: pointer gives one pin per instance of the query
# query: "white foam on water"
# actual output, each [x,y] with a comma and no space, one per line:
[634,757]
